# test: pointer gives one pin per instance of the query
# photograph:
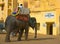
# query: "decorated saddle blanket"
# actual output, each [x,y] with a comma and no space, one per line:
[24,18]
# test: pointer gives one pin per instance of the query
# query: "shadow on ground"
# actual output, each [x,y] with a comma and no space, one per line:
[41,39]
[35,39]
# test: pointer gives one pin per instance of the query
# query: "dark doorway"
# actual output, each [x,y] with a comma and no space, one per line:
[49,28]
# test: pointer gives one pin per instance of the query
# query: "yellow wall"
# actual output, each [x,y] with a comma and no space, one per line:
[20,1]
[4,12]
[42,20]
[46,6]
[9,6]
[14,2]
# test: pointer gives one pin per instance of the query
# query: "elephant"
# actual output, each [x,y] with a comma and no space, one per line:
[12,25]
[32,24]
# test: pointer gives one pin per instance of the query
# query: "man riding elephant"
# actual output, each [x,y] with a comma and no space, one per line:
[21,13]
[19,21]
[23,10]
[25,15]
[15,22]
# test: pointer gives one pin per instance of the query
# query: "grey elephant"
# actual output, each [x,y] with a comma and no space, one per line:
[12,25]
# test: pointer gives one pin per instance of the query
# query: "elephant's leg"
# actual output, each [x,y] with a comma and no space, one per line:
[7,39]
[20,34]
[35,31]
[26,34]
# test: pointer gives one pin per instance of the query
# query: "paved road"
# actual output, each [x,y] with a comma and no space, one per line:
[41,39]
